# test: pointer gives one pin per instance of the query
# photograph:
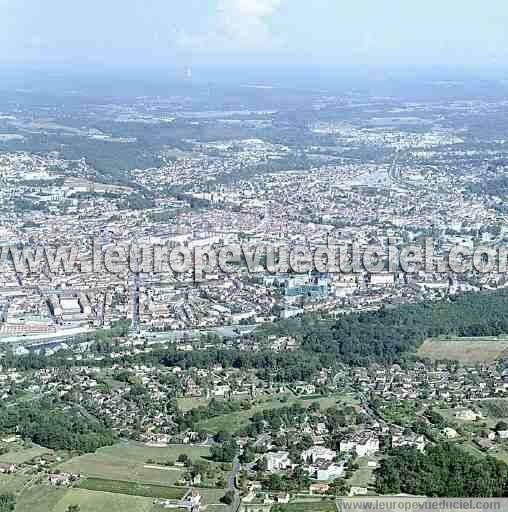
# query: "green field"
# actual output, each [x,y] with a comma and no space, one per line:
[40,498]
[311,506]
[227,423]
[23,455]
[187,404]
[129,462]
[402,413]
[12,483]
[110,496]
[124,469]
[132,488]
[117,478]
[90,501]
[43,498]
[217,508]
[236,421]
[465,350]
[472,449]
[364,475]
[98,465]
[212,496]
[137,452]
[466,425]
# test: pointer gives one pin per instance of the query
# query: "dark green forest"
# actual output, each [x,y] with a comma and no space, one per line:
[56,426]
[443,470]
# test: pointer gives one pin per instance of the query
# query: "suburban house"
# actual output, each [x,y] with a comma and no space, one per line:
[312,455]
[362,443]
[278,461]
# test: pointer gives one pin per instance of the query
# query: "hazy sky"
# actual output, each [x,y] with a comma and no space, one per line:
[191,32]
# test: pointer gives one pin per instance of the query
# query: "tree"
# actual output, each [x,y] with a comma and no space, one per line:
[225,452]
[301,478]
[73,508]
[7,502]
[183,459]
[222,436]
[248,455]
[339,487]
[53,424]
[314,407]
[306,442]
[501,425]
[228,498]
[202,436]
[262,464]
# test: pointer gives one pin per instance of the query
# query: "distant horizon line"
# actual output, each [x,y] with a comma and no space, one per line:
[181,68]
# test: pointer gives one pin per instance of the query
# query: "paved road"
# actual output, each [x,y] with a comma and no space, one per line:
[263,438]
[373,414]
[232,485]
[135,313]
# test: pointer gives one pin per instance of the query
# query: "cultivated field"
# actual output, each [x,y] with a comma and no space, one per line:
[132,488]
[138,452]
[121,474]
[465,350]
[129,462]
[110,496]
[99,465]
[311,506]
[90,501]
